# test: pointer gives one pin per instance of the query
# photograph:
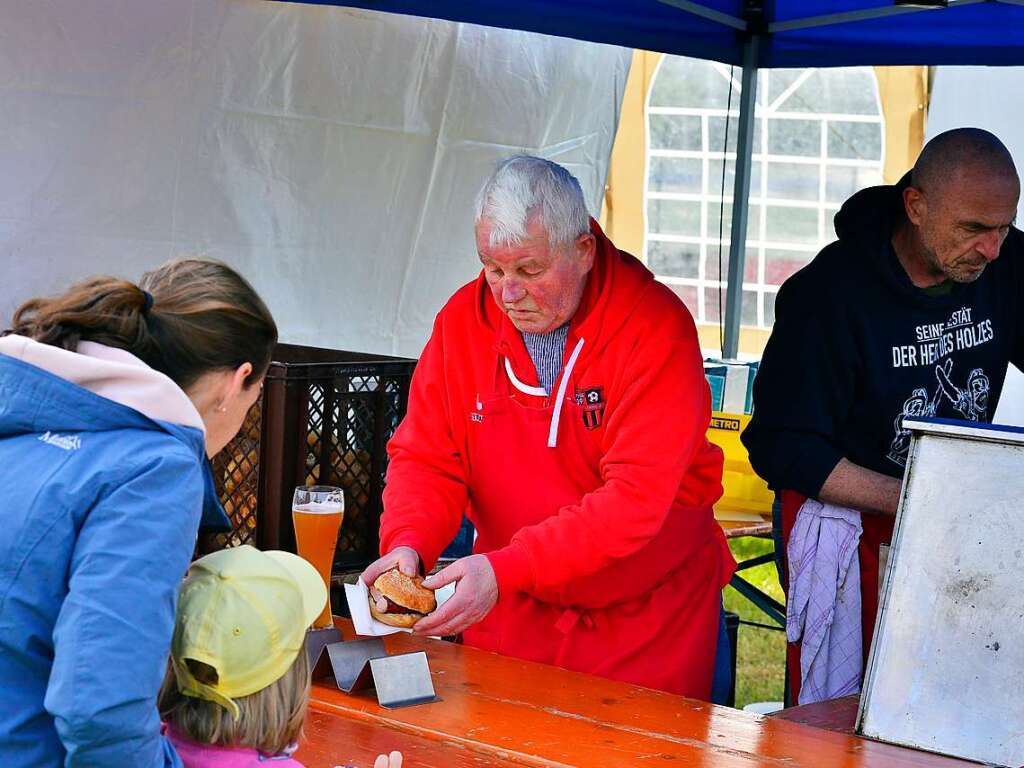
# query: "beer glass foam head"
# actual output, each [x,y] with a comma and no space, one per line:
[319,507]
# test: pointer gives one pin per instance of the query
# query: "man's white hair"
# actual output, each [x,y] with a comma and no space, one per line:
[523,188]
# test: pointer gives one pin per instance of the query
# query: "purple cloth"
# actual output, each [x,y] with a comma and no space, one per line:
[823,606]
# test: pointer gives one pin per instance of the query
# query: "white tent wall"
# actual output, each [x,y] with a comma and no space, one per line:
[982,97]
[331,155]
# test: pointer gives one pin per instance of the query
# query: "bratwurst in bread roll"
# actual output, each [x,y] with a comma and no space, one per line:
[400,600]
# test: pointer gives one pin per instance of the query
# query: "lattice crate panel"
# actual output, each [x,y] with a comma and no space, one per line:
[351,462]
[314,426]
[236,474]
[343,464]
[348,453]
[392,416]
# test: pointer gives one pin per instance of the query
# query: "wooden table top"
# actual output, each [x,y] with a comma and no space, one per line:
[502,712]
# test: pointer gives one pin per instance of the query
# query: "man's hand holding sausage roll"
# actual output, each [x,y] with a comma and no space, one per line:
[476,592]
[395,599]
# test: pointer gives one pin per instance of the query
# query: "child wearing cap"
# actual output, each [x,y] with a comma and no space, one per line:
[238,682]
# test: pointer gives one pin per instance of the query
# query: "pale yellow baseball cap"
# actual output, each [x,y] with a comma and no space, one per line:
[244,613]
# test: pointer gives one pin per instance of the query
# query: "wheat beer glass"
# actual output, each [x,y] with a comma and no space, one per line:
[316,514]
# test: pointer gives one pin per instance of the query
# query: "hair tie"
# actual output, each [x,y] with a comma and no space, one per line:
[147,302]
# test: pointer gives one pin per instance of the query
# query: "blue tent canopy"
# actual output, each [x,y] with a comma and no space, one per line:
[793,33]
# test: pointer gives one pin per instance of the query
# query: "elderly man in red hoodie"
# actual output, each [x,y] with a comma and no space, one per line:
[561,403]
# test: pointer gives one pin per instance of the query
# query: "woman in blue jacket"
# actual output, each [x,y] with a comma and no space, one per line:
[112,396]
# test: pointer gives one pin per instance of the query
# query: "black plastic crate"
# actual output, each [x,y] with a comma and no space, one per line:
[325,418]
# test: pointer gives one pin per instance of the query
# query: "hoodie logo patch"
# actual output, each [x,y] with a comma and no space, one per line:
[591,402]
[64,442]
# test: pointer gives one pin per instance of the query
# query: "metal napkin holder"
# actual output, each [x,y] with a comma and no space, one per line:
[400,680]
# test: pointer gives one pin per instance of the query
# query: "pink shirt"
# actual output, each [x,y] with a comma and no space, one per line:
[206,756]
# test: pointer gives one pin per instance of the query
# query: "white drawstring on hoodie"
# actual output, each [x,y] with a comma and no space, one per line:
[518,384]
[556,414]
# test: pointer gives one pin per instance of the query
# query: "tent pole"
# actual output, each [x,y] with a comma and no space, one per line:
[740,199]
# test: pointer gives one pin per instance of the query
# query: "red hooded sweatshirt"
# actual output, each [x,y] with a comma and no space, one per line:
[593,502]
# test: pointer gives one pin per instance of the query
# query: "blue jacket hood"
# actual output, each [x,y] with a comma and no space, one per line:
[35,401]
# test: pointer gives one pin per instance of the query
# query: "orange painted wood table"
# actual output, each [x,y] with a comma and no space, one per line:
[502,712]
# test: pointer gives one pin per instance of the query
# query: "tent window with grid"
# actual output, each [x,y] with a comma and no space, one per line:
[818,138]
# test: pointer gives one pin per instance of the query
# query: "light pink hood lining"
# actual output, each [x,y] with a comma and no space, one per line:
[111,373]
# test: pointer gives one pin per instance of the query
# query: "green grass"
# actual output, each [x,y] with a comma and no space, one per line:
[761,655]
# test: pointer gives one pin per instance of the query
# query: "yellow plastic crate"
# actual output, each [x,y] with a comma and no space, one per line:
[747,498]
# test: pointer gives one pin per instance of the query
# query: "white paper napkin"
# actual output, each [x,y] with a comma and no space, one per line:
[363,622]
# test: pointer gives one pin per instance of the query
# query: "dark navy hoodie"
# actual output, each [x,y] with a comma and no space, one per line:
[856,346]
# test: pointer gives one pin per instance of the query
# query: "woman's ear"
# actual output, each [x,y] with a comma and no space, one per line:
[238,379]
[231,386]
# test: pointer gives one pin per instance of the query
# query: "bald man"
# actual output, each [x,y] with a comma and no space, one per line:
[916,310]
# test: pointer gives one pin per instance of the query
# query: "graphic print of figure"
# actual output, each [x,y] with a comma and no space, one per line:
[978,387]
[970,402]
[917,404]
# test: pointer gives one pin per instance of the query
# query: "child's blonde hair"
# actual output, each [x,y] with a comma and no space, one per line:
[269,720]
